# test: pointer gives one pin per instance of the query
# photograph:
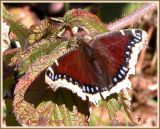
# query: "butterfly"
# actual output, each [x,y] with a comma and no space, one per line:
[100,67]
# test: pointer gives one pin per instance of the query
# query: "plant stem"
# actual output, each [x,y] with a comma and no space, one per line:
[133,17]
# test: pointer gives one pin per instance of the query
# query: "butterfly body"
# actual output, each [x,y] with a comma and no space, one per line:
[100,67]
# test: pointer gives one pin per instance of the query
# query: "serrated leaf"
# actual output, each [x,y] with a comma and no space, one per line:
[44,44]
[44,47]
[18,29]
[112,105]
[47,28]
[82,18]
[126,102]
[35,104]
[38,105]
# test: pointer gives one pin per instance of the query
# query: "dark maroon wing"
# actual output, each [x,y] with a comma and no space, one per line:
[117,52]
[75,68]
[114,53]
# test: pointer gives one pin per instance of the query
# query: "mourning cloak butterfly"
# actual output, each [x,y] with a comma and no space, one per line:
[100,67]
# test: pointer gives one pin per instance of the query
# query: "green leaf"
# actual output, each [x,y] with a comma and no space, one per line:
[44,47]
[47,28]
[112,105]
[18,29]
[131,7]
[8,116]
[36,104]
[126,102]
[82,18]
[42,41]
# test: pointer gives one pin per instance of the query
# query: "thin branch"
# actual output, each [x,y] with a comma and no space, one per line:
[132,18]
[154,61]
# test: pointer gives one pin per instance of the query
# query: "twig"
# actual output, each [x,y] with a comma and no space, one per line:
[153,62]
[132,18]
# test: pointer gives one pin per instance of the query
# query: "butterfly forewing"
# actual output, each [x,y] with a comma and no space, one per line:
[110,51]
